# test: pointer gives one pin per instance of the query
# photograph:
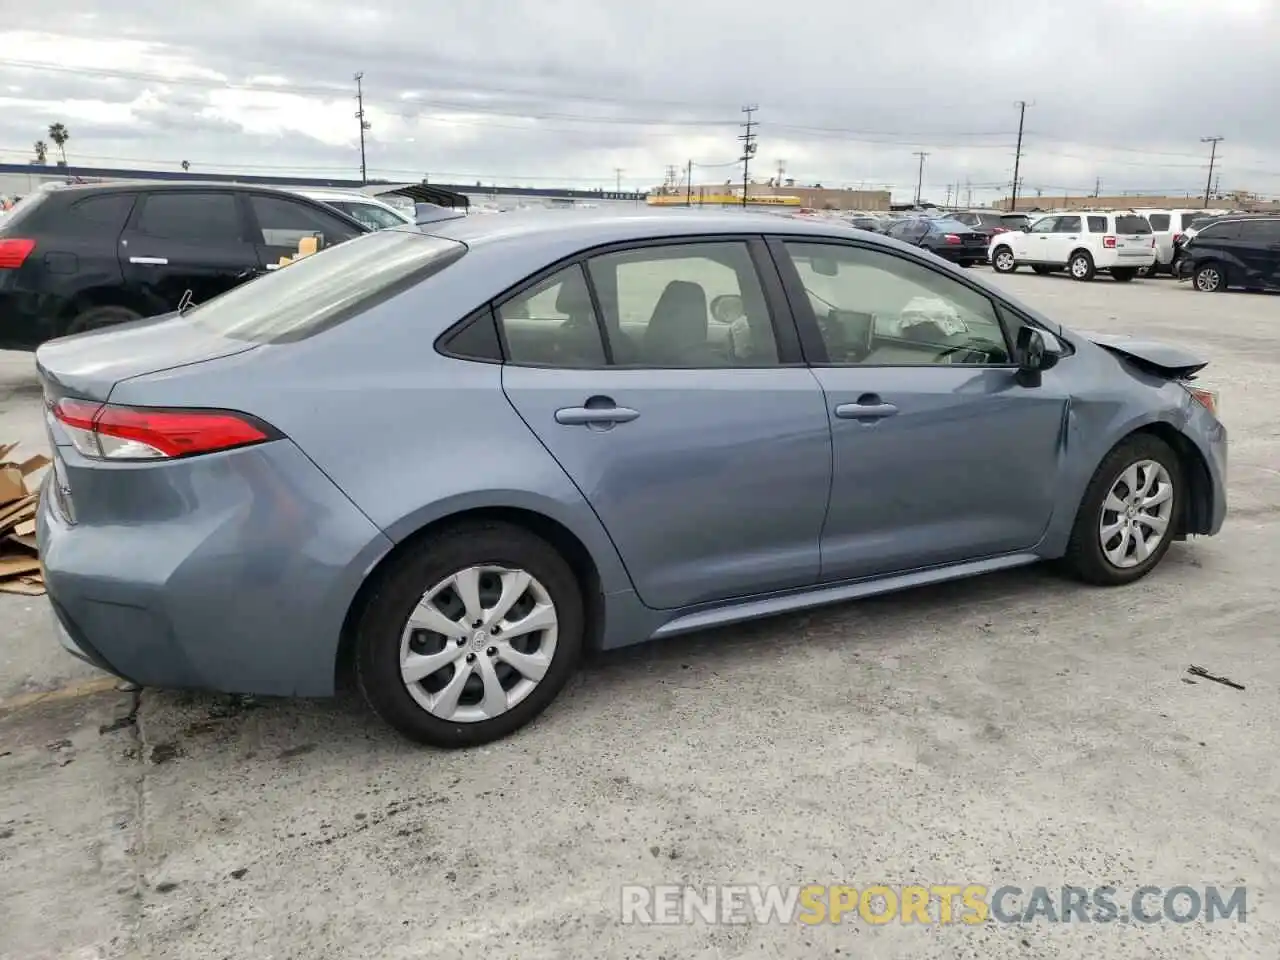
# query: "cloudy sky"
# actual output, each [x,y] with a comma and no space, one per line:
[566,92]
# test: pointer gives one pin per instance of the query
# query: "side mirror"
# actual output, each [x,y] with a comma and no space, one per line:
[1025,228]
[1036,351]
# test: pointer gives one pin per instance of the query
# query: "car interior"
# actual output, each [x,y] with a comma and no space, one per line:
[649,320]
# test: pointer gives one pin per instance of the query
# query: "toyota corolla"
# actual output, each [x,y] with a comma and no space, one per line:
[459,455]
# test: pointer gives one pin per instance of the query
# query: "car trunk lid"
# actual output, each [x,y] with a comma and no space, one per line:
[89,365]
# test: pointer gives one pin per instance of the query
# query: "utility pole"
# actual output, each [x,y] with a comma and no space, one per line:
[782,169]
[364,124]
[920,175]
[968,193]
[617,173]
[748,139]
[1017,156]
[1213,156]
[1097,187]
[688,184]
[948,200]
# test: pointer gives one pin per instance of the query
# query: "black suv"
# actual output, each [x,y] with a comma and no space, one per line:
[1233,251]
[79,257]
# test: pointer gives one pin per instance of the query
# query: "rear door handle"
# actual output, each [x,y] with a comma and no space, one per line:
[578,416]
[865,411]
[151,261]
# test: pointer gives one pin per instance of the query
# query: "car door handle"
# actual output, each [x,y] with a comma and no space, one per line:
[151,261]
[865,411]
[579,416]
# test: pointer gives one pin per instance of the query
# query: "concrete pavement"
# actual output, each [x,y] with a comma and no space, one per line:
[1013,729]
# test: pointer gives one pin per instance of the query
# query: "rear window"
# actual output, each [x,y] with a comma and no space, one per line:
[966,218]
[1128,223]
[949,226]
[327,288]
[1159,221]
[991,220]
[23,209]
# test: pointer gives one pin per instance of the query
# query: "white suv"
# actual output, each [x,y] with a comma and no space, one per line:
[1083,243]
[1167,226]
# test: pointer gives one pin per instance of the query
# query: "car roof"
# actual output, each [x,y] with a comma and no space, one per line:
[133,185]
[323,194]
[581,229]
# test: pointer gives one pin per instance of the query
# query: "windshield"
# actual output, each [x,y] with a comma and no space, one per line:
[370,214]
[326,288]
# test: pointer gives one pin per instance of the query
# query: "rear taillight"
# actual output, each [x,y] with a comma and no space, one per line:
[1109,242]
[1177,238]
[14,252]
[104,431]
[951,238]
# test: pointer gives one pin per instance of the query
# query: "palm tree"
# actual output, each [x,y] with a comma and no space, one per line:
[59,134]
[42,153]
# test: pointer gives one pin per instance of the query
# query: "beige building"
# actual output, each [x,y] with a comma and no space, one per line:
[815,197]
[1240,200]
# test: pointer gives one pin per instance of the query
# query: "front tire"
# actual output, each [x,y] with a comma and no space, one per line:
[469,635]
[1002,260]
[1210,278]
[95,318]
[1080,266]
[1129,514]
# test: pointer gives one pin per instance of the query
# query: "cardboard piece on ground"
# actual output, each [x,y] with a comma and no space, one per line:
[20,568]
[26,586]
[13,565]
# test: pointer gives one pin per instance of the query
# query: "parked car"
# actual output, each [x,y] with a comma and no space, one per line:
[866,222]
[77,258]
[458,456]
[1236,251]
[947,238]
[1167,227]
[1082,243]
[1017,221]
[986,222]
[372,212]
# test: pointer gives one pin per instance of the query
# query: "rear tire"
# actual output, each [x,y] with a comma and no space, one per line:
[385,642]
[1002,260]
[1087,552]
[1080,266]
[95,318]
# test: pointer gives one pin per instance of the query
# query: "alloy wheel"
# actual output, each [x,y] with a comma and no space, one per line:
[1079,268]
[478,643]
[1136,514]
[1208,279]
[1004,261]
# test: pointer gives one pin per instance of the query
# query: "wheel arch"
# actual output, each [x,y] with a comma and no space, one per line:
[567,543]
[1086,251]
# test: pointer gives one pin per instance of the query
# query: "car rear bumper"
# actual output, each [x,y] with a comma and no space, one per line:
[974,254]
[230,572]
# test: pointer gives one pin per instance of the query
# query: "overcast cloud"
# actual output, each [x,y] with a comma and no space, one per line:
[565,91]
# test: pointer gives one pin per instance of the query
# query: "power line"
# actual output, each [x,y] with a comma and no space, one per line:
[1213,155]
[748,139]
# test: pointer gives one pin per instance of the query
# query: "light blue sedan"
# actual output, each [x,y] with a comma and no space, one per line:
[461,454]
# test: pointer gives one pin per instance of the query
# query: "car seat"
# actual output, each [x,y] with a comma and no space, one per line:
[677,332]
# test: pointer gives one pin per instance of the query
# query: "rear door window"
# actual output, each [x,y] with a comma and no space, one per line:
[1221,230]
[1097,224]
[107,213]
[191,217]
[1189,218]
[1260,231]
[1159,221]
[282,222]
[327,288]
[1068,225]
[1128,223]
